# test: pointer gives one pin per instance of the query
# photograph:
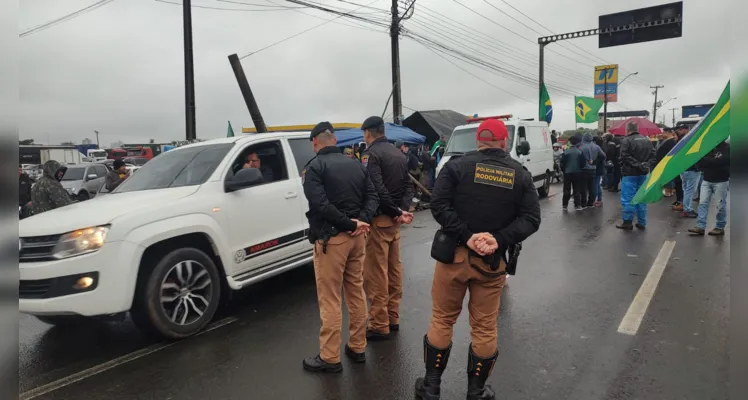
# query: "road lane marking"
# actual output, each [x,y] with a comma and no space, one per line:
[79,376]
[637,309]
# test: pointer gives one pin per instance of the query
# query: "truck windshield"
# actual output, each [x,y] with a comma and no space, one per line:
[100,153]
[463,140]
[73,174]
[180,167]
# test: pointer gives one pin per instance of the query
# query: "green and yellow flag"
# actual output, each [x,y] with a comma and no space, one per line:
[712,130]
[586,109]
[545,111]
[230,131]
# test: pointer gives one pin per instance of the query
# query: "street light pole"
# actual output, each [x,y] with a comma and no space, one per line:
[97,138]
[627,77]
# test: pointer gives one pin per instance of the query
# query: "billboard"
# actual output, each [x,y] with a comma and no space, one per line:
[641,25]
[698,109]
[609,74]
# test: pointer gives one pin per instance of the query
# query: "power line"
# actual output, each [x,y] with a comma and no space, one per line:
[231,9]
[298,34]
[470,73]
[519,52]
[553,33]
[65,18]
[490,47]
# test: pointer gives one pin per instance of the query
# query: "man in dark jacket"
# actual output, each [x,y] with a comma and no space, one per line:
[572,162]
[485,202]
[591,153]
[342,202]
[116,176]
[637,159]
[383,271]
[716,169]
[24,193]
[48,192]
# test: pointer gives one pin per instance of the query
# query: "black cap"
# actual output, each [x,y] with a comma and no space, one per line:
[372,123]
[681,125]
[118,163]
[321,127]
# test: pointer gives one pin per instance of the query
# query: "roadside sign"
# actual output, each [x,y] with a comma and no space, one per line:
[607,73]
[641,25]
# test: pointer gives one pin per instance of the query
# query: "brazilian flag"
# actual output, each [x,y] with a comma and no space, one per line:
[545,113]
[712,130]
[586,109]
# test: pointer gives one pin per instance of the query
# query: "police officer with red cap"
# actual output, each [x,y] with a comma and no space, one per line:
[485,203]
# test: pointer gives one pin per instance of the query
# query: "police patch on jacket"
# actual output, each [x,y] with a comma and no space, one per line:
[487,174]
[365,160]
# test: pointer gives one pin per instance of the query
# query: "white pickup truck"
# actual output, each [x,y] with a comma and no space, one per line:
[172,240]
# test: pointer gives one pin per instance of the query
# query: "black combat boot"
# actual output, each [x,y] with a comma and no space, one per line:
[479,369]
[427,388]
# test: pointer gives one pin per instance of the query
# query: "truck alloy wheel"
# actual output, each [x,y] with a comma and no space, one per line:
[178,296]
[186,292]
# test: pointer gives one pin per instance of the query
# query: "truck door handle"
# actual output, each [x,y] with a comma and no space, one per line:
[527,159]
[291,195]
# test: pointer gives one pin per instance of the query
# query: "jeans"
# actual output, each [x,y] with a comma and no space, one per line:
[610,178]
[690,182]
[629,186]
[598,187]
[708,189]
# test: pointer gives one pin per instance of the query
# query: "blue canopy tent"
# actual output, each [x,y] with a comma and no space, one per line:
[349,137]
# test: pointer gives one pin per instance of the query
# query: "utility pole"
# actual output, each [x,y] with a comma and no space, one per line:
[189,72]
[654,107]
[397,105]
[97,138]
[673,110]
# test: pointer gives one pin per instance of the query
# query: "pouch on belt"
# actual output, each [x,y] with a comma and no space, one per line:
[443,247]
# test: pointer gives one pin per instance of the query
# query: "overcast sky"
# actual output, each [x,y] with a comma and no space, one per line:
[120,69]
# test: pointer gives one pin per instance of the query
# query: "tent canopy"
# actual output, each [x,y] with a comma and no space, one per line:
[349,137]
[435,123]
[646,127]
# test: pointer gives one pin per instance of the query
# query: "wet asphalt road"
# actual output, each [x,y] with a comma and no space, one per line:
[558,326]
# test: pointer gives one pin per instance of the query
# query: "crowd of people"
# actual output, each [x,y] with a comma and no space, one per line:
[591,164]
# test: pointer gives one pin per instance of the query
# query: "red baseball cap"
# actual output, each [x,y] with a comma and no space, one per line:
[495,126]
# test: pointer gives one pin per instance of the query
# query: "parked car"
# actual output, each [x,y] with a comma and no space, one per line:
[174,239]
[83,180]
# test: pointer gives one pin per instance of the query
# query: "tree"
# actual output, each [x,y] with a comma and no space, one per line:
[151,140]
[26,142]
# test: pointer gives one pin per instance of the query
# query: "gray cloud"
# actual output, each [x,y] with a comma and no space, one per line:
[119,69]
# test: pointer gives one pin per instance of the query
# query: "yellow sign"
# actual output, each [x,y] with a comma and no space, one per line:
[493,175]
[610,70]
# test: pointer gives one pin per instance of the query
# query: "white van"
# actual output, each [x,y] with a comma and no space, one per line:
[538,161]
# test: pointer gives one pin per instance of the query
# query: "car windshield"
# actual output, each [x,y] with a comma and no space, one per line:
[463,140]
[183,167]
[73,174]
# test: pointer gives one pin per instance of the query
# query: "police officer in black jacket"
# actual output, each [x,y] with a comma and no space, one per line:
[342,203]
[485,202]
[383,271]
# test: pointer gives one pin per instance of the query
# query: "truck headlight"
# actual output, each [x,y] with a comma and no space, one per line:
[79,242]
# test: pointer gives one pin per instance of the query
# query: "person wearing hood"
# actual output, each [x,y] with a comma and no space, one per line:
[48,192]
[591,152]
